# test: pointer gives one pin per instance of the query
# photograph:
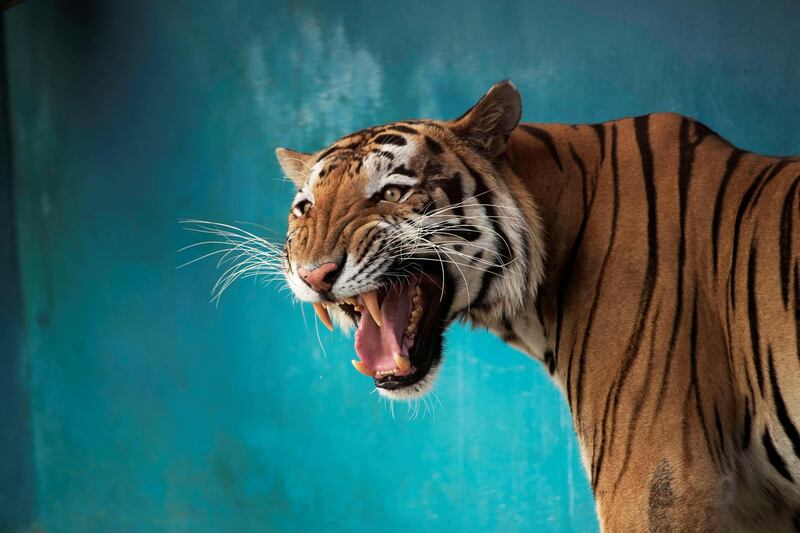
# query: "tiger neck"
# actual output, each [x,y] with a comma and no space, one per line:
[557,167]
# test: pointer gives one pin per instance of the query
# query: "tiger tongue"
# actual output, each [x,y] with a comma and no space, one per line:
[375,345]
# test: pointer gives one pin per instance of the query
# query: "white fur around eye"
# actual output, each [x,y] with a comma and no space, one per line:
[301,208]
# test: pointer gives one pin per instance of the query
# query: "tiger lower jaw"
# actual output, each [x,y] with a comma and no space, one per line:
[398,340]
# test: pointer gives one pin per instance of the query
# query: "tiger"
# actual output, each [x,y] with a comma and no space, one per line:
[651,266]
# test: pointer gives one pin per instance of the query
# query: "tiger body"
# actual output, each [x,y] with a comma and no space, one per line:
[652,267]
[670,313]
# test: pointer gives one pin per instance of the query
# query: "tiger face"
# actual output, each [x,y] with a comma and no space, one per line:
[402,229]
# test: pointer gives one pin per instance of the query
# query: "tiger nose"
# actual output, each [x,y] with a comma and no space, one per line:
[321,278]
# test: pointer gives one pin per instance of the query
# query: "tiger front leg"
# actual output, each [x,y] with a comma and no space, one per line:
[662,493]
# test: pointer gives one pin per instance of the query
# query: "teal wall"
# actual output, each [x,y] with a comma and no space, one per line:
[154,410]
[16,445]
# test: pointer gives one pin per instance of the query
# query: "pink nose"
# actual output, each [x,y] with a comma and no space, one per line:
[319,279]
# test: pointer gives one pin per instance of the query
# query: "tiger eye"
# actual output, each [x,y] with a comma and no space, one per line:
[392,194]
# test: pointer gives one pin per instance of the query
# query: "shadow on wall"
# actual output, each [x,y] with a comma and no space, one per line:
[16,442]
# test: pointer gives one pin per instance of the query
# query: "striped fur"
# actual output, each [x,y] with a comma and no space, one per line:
[651,266]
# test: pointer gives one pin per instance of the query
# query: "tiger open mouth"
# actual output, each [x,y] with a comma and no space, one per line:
[398,338]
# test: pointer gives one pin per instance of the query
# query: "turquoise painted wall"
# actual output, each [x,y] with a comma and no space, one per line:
[154,410]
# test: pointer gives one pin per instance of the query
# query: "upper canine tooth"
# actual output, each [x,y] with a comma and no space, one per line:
[323,315]
[371,301]
[361,367]
[402,363]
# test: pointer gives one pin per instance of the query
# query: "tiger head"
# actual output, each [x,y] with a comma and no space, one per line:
[402,229]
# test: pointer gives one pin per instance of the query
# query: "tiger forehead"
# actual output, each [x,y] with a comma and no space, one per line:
[348,155]
[381,148]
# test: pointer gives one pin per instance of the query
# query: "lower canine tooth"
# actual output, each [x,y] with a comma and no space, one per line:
[371,301]
[361,367]
[323,315]
[402,363]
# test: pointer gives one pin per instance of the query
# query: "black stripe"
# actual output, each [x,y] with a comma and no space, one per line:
[693,383]
[641,396]
[774,457]
[785,240]
[600,130]
[568,378]
[467,232]
[582,167]
[748,195]
[389,138]
[752,316]
[797,308]
[720,434]
[361,248]
[433,146]
[780,407]
[569,263]
[567,269]
[384,153]
[641,125]
[454,191]
[775,171]
[747,426]
[403,171]
[326,153]
[332,234]
[337,148]
[730,168]
[404,129]
[546,139]
[550,361]
[505,253]
[598,466]
[601,274]
[685,167]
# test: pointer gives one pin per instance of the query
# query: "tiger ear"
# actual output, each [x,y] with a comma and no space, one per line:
[488,123]
[295,165]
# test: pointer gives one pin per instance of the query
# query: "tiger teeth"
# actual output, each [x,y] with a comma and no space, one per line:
[361,367]
[402,363]
[416,314]
[371,301]
[323,315]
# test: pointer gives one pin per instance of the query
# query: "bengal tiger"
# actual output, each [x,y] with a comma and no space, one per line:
[650,265]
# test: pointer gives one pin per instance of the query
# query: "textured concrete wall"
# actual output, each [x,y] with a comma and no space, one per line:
[155,410]
[16,444]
